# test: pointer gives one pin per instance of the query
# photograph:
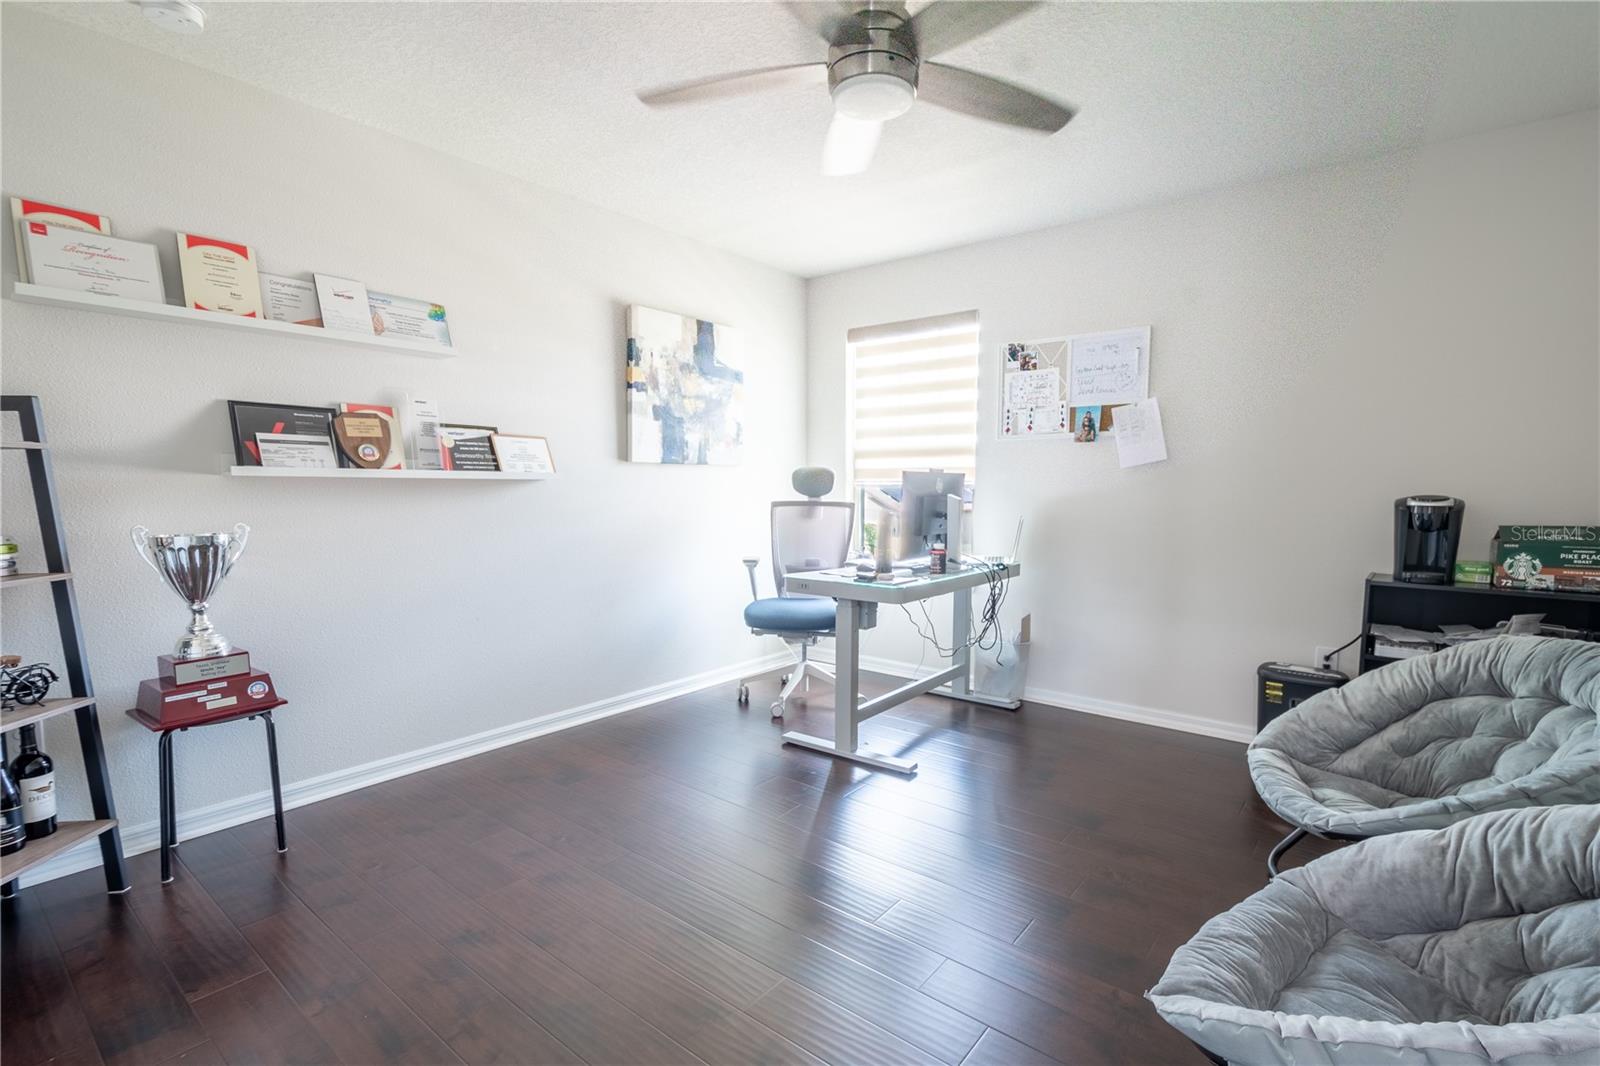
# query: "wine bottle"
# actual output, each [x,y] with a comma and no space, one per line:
[35,775]
[12,835]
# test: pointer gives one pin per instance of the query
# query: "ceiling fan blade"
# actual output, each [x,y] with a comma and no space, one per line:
[823,17]
[849,146]
[742,83]
[944,24]
[989,98]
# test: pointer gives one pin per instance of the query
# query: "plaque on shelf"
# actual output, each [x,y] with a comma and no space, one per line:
[467,447]
[393,455]
[364,439]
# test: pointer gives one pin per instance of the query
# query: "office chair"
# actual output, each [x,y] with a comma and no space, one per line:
[808,534]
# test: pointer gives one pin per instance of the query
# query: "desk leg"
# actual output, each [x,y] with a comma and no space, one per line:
[846,688]
[961,632]
[169,828]
[846,675]
[277,789]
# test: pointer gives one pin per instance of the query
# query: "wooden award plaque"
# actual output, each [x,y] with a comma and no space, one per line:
[364,438]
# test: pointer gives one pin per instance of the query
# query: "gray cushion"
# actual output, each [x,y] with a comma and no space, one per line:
[1418,744]
[791,614]
[1476,943]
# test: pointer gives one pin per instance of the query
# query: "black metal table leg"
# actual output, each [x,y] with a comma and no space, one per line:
[1278,852]
[169,828]
[9,889]
[277,789]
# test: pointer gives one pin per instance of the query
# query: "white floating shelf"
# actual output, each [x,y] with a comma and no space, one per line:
[116,305]
[383,475]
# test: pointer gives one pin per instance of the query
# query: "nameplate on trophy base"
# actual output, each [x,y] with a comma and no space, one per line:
[166,704]
[210,668]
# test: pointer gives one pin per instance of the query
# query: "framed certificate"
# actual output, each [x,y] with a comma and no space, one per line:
[344,305]
[253,421]
[523,455]
[219,276]
[25,210]
[296,451]
[87,262]
[467,447]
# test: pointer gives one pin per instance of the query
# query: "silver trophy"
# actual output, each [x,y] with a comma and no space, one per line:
[193,565]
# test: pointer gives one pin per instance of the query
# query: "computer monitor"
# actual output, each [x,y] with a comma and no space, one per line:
[927,513]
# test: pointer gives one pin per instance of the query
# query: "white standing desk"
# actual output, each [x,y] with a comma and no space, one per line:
[857,609]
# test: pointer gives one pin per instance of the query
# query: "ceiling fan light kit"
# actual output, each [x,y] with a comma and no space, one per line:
[877,68]
[873,97]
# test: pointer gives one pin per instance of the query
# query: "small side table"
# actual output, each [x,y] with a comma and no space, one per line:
[169,805]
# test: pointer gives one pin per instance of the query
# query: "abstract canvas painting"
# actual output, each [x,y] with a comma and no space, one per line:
[685,390]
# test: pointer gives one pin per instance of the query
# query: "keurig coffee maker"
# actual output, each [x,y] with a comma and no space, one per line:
[1427,531]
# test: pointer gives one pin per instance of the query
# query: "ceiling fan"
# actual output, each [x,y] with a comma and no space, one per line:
[878,65]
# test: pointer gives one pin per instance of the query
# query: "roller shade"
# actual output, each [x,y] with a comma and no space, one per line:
[914,397]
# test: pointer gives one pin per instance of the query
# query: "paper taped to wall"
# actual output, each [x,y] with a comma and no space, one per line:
[1138,431]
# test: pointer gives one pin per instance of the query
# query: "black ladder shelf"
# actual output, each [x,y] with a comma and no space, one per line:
[58,574]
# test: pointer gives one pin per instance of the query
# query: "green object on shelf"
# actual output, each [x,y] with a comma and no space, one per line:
[1565,558]
[1472,572]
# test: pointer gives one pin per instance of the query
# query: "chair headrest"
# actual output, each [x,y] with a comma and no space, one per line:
[813,482]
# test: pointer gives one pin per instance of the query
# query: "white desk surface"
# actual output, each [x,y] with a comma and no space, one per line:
[821,583]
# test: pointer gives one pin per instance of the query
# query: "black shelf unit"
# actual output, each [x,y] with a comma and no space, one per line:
[1415,606]
[75,661]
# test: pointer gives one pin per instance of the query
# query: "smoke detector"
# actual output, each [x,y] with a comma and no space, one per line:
[176,16]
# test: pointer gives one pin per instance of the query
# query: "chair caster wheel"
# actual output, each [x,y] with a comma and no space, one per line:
[784,680]
[777,710]
[744,693]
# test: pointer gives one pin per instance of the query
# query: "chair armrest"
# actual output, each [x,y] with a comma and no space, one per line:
[750,564]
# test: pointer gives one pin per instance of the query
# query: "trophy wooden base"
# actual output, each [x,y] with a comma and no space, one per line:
[212,668]
[166,704]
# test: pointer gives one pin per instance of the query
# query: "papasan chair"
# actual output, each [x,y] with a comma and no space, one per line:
[1424,742]
[1477,943]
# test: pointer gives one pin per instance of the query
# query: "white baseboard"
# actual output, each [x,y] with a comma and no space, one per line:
[1127,712]
[228,813]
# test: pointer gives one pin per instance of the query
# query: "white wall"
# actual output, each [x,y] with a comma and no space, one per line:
[399,615]
[1322,344]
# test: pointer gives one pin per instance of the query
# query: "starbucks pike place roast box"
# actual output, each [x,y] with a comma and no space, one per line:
[1548,557]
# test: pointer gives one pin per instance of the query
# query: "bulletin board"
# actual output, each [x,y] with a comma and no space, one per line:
[1046,385]
[1033,388]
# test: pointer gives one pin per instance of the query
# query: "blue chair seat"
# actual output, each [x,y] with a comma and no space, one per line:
[791,614]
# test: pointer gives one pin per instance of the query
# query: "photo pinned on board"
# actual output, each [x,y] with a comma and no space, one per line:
[1089,422]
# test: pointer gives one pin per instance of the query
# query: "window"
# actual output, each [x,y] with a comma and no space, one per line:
[913,396]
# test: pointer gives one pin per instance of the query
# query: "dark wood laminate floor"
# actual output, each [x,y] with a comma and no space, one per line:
[672,885]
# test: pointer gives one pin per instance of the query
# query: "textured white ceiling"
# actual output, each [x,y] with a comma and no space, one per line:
[1173,98]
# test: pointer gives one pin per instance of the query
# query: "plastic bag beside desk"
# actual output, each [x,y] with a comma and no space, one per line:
[1002,671]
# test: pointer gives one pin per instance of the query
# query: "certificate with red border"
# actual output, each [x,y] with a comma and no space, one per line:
[25,210]
[219,275]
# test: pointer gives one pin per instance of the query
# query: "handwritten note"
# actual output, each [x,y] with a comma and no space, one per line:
[1140,439]
[1109,368]
[1033,388]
